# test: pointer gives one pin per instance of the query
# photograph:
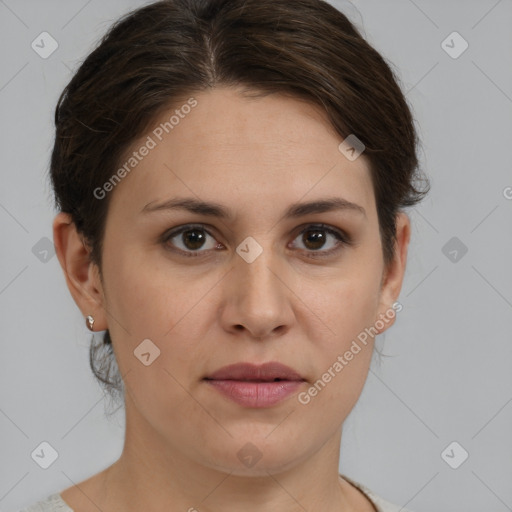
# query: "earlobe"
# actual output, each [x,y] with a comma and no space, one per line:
[394,274]
[81,274]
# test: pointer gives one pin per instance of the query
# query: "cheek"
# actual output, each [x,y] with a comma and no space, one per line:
[359,303]
[348,309]
[344,306]
[343,352]
[138,295]
[151,302]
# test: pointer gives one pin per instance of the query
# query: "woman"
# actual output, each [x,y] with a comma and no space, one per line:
[230,177]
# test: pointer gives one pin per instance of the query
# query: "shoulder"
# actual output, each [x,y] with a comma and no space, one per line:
[53,503]
[380,503]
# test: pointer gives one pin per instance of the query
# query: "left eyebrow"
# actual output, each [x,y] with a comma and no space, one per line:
[219,211]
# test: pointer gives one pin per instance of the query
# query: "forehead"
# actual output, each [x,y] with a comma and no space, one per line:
[229,146]
[227,119]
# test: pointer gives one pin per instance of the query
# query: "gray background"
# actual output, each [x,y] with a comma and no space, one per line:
[448,375]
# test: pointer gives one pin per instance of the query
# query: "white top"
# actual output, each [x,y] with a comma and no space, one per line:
[54,502]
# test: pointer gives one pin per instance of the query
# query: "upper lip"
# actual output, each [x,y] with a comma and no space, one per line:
[266,372]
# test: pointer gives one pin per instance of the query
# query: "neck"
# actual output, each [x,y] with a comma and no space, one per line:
[151,475]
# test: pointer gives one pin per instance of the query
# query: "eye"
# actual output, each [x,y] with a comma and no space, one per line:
[191,239]
[315,237]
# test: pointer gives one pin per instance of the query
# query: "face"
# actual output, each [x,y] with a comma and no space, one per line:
[267,282]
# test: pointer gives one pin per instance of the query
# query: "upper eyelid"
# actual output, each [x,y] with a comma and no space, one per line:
[171,233]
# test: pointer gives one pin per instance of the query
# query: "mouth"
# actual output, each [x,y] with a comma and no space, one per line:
[254,386]
[247,372]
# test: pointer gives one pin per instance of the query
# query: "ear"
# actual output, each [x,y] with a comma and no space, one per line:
[82,275]
[394,273]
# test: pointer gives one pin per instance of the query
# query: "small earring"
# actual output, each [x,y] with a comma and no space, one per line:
[89,322]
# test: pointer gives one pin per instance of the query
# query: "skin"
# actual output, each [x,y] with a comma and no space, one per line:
[256,156]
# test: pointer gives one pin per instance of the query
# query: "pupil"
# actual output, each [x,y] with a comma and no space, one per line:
[317,238]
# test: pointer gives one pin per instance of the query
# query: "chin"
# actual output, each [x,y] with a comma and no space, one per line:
[255,455]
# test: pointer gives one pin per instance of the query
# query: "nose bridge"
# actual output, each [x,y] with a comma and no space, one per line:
[256,270]
[258,293]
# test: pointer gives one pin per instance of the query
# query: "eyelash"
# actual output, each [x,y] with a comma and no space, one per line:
[343,240]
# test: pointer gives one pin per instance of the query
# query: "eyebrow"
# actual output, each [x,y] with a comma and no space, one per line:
[219,211]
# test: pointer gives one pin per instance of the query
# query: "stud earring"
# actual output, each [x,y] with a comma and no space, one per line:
[89,322]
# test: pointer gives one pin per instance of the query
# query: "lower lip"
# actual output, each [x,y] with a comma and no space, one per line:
[256,394]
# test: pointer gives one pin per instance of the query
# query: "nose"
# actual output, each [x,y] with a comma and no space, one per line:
[258,300]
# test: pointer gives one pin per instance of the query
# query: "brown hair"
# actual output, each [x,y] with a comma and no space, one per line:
[166,51]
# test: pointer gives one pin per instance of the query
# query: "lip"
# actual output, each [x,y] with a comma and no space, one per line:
[251,372]
[256,386]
